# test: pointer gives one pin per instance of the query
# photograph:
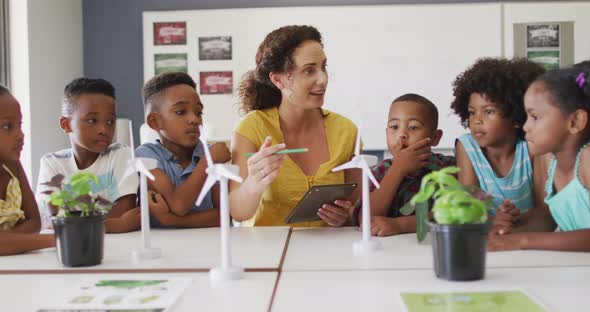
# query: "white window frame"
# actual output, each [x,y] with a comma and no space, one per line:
[4,49]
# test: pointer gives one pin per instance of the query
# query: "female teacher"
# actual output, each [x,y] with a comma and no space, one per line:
[283,98]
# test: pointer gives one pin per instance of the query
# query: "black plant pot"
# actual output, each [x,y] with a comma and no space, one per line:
[79,240]
[459,250]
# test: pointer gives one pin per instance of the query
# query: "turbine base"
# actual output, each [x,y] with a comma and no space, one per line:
[146,254]
[219,274]
[365,247]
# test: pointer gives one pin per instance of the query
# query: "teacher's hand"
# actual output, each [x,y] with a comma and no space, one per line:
[263,166]
[336,214]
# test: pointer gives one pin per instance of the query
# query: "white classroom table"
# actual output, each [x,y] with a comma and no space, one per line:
[331,249]
[557,289]
[35,291]
[182,249]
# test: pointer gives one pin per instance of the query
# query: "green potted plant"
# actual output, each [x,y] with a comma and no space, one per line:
[79,223]
[459,233]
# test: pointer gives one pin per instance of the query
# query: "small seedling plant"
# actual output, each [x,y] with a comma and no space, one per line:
[75,198]
[452,202]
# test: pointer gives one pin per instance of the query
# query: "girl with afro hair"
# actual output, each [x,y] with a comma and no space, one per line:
[489,99]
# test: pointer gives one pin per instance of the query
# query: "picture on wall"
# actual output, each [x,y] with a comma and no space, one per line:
[169,33]
[220,82]
[170,62]
[542,36]
[548,59]
[215,48]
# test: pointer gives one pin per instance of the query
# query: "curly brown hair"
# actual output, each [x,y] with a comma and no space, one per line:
[274,56]
[502,81]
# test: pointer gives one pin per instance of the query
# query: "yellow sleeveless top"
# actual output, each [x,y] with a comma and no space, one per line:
[10,208]
[291,183]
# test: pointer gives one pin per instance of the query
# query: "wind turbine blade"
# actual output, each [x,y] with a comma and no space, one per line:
[205,148]
[349,165]
[206,187]
[227,172]
[131,143]
[232,168]
[149,163]
[357,144]
[142,169]
[128,172]
[371,160]
[367,171]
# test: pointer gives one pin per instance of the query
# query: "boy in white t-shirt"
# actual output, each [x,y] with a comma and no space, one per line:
[88,117]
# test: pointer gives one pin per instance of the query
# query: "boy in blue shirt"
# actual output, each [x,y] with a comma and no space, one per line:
[174,110]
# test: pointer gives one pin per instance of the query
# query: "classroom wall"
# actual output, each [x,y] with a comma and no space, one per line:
[46,50]
[19,70]
[392,53]
[113,44]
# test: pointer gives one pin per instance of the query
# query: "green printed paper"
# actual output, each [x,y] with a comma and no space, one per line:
[113,299]
[488,301]
[128,284]
[123,295]
[82,299]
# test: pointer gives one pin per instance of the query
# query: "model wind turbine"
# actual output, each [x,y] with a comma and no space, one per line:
[221,173]
[143,166]
[367,244]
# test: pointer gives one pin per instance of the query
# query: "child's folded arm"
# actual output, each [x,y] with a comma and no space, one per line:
[16,243]
[27,226]
[538,218]
[193,219]
[180,198]
[32,222]
[382,197]
[123,216]
[407,224]
[122,205]
[466,174]
[386,226]
[578,240]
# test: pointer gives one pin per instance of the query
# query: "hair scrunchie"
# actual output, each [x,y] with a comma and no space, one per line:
[581,80]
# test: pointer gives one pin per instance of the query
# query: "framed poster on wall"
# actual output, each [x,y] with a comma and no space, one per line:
[170,62]
[215,48]
[169,33]
[550,44]
[220,82]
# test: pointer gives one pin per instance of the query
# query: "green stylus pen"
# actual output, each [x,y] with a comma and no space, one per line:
[286,151]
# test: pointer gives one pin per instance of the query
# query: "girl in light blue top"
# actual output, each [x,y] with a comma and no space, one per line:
[494,156]
[517,185]
[558,109]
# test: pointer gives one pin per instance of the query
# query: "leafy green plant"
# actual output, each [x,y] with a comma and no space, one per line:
[454,203]
[76,195]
